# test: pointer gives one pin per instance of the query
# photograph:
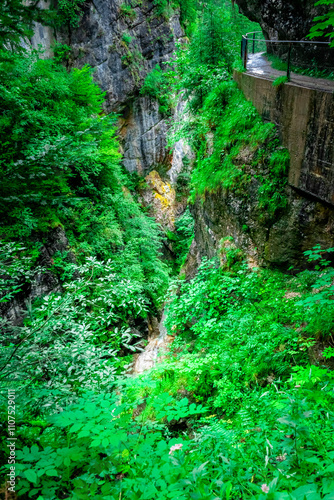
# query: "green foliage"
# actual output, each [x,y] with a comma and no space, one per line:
[60,169]
[126,38]
[188,15]
[133,60]
[184,176]
[102,425]
[127,10]
[235,410]
[156,85]
[61,52]
[319,304]
[271,192]
[182,238]
[231,142]
[68,12]
[280,81]
[20,264]
[260,417]
[83,329]
[50,157]
[162,8]
[324,24]
[328,352]
[232,315]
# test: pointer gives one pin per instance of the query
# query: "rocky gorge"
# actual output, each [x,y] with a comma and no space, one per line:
[166,243]
[120,69]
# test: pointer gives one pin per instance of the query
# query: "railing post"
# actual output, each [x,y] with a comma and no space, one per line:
[245,52]
[288,69]
[254,43]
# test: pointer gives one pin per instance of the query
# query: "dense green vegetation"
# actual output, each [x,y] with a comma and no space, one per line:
[222,127]
[156,86]
[235,412]
[60,170]
[241,405]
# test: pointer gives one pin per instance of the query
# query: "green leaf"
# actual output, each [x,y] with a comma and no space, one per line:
[105,442]
[51,472]
[95,442]
[31,475]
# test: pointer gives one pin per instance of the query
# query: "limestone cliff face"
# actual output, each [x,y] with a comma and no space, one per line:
[123,46]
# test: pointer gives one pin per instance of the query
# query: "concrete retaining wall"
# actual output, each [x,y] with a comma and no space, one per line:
[305,119]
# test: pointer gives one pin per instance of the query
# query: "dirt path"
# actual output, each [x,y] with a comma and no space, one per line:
[258,65]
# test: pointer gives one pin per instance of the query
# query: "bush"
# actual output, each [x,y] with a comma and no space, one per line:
[156,86]
[127,10]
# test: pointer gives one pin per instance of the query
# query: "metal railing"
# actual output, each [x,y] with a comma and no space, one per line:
[294,55]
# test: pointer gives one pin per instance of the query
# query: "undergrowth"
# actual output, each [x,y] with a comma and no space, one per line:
[80,260]
[258,418]
[234,410]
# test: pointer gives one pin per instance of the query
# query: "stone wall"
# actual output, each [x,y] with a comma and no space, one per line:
[305,119]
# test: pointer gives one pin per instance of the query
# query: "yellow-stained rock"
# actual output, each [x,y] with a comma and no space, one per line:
[160,196]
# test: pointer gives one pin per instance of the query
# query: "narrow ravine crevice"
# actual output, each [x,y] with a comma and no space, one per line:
[158,342]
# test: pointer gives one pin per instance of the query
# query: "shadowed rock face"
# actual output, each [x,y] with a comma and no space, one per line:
[286,20]
[282,20]
[44,281]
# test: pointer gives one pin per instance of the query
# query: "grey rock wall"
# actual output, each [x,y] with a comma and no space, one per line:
[120,70]
[121,67]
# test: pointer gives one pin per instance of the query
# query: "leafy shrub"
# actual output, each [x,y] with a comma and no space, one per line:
[68,12]
[270,431]
[231,142]
[280,81]
[182,237]
[126,38]
[127,10]
[156,86]
[325,23]
[61,52]
[60,168]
